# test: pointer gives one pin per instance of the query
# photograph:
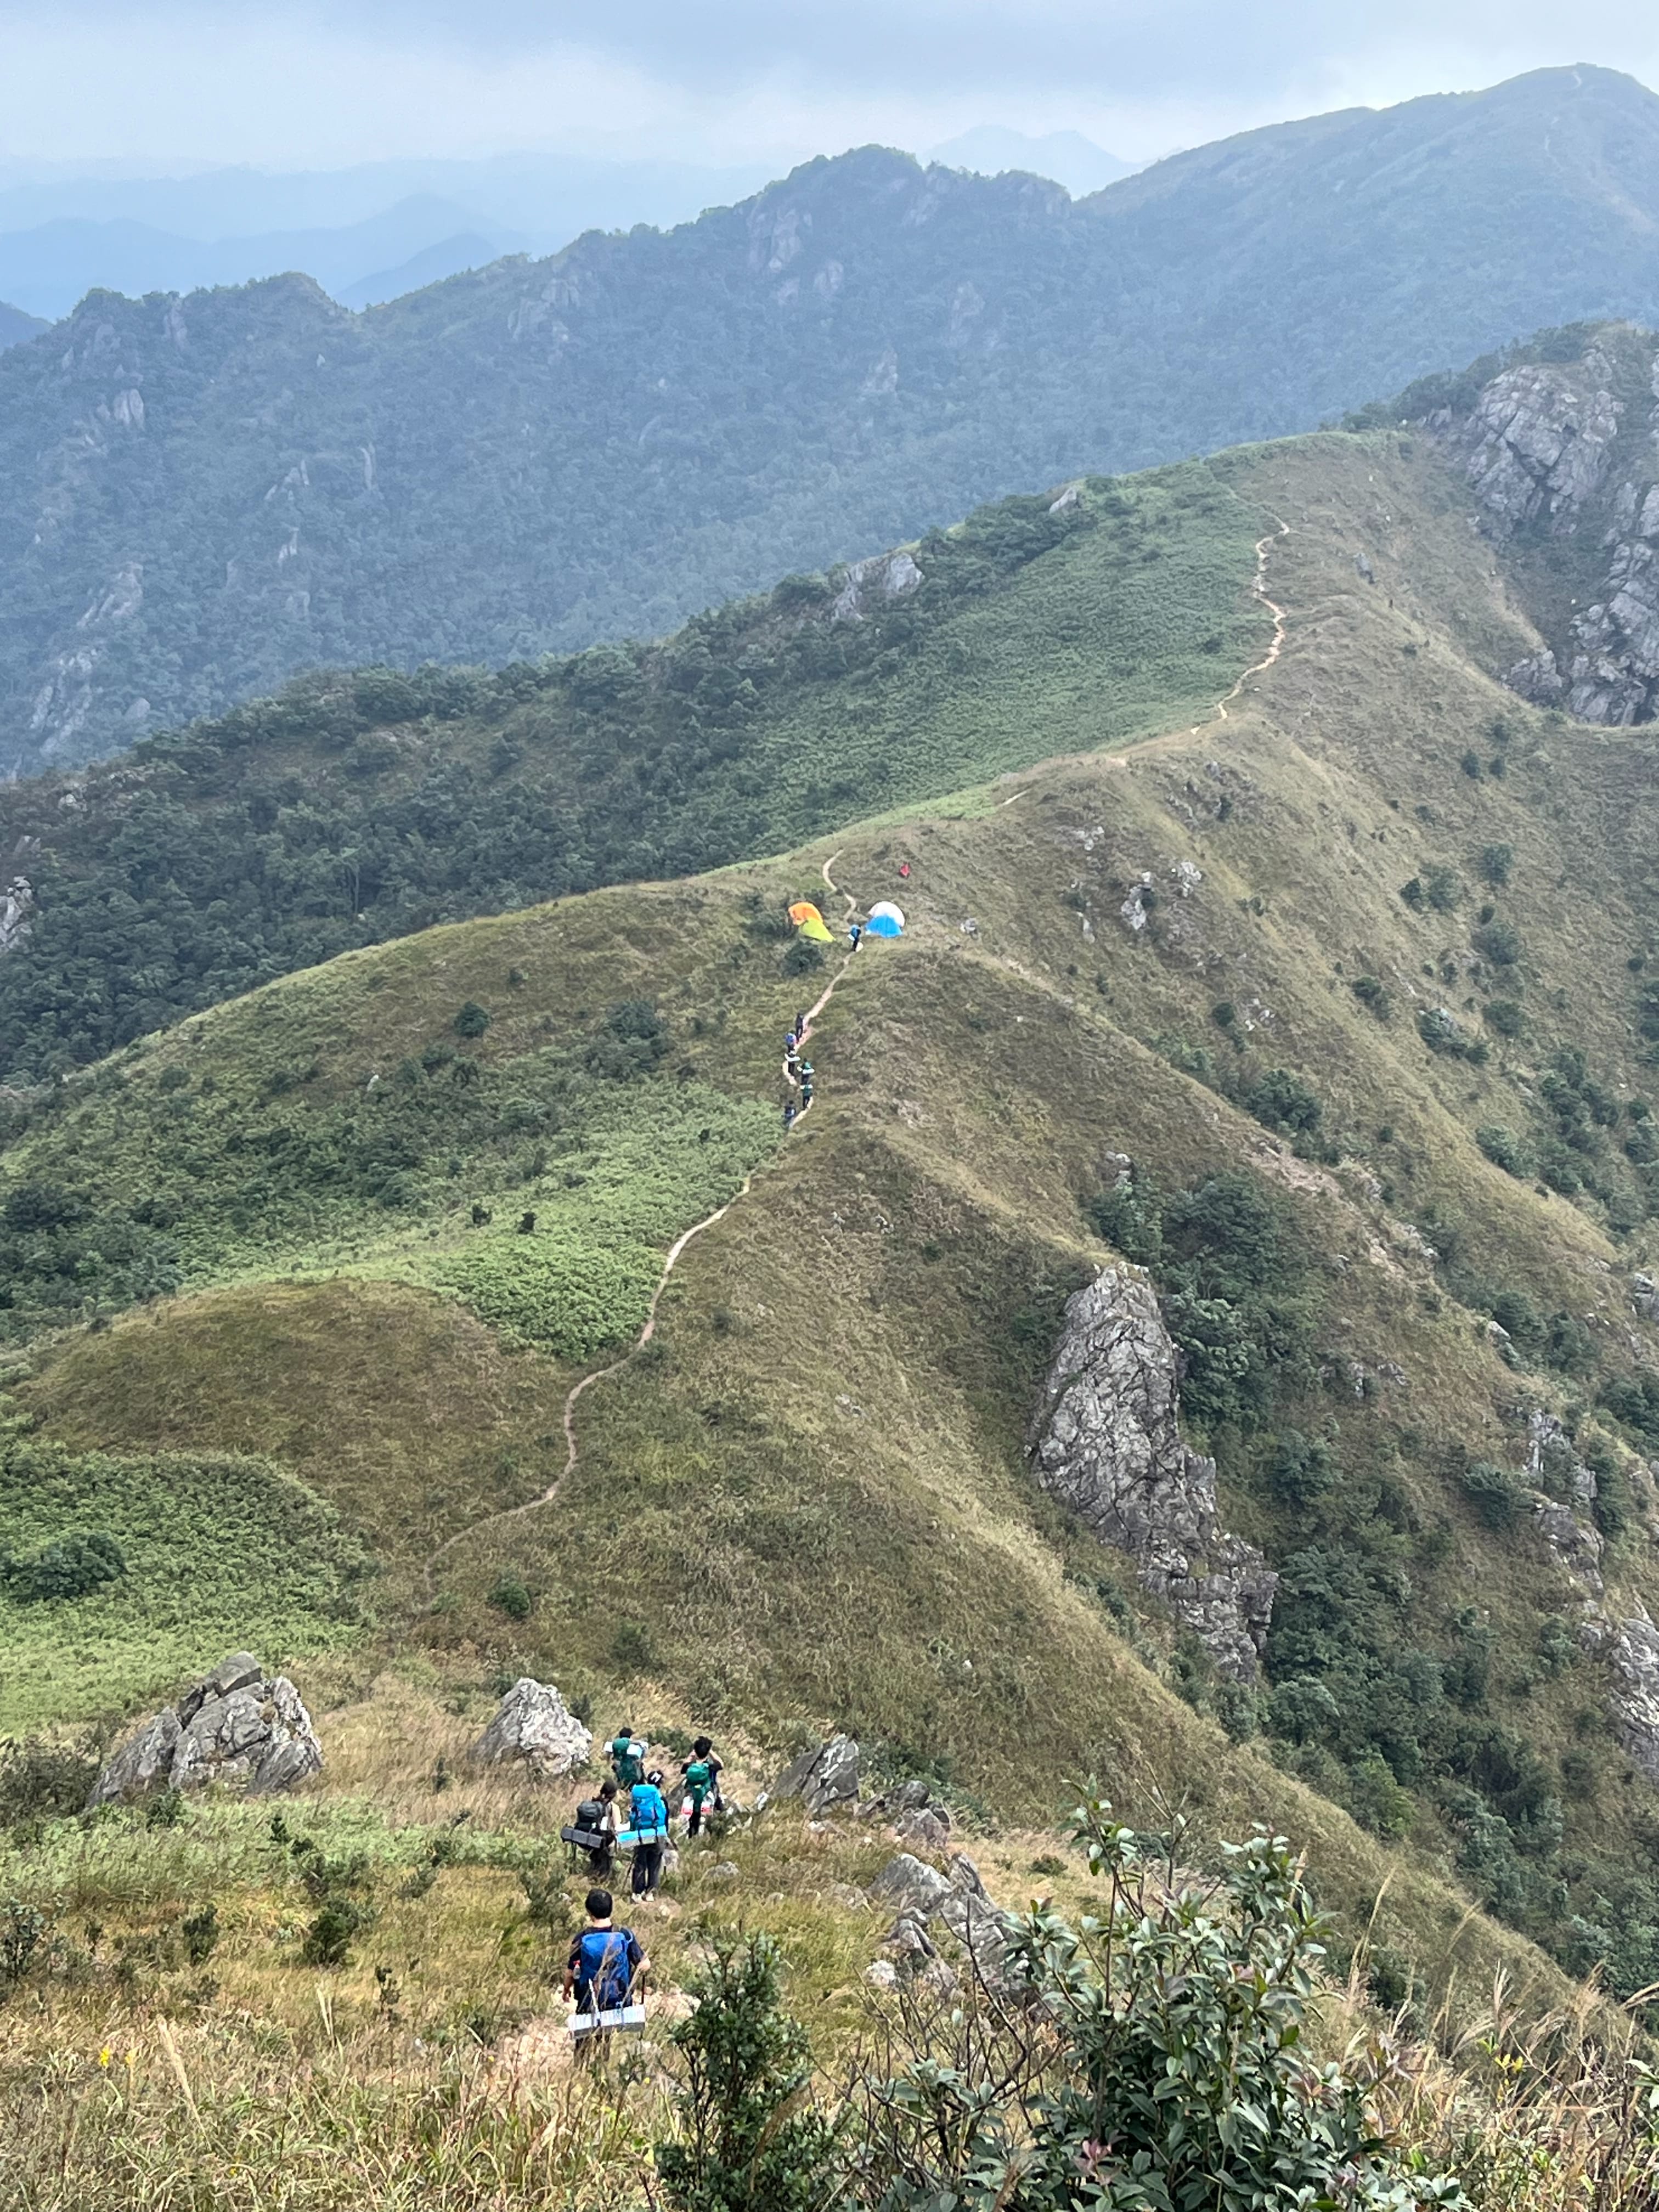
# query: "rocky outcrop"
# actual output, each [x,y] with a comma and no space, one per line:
[237,1726]
[921,1896]
[531,1727]
[1539,442]
[1106,1439]
[1542,451]
[17,912]
[1566,1493]
[1631,1648]
[874,583]
[824,1779]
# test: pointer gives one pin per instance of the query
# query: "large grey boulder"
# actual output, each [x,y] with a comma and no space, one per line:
[532,1726]
[1106,1439]
[823,1780]
[237,1726]
[920,1894]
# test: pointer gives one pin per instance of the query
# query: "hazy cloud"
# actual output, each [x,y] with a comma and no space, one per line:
[305,82]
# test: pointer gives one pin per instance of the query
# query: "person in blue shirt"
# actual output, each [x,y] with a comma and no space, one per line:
[606,1967]
[650,1826]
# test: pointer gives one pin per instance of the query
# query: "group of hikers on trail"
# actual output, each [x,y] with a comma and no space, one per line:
[797,1072]
[599,1829]
[884,919]
[605,1972]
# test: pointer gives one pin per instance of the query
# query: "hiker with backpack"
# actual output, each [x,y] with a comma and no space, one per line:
[595,1829]
[702,1778]
[649,1822]
[627,1755]
[606,1968]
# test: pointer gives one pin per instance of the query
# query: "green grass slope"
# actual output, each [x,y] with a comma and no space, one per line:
[805,1501]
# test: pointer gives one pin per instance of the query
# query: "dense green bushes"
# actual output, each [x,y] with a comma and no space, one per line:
[1232,1284]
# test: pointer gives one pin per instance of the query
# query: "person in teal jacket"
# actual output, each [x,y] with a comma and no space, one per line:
[649,1822]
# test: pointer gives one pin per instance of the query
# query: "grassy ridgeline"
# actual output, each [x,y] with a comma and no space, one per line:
[808,1504]
[352,809]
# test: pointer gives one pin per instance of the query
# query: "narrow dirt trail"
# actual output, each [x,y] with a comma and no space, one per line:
[1173,737]
[1280,614]
[1275,647]
[573,1395]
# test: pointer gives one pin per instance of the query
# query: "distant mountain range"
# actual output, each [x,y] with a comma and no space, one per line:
[15,326]
[199,496]
[416,241]
[354,230]
[370,232]
[1065,156]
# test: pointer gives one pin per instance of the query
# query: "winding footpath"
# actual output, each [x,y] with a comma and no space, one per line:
[572,1397]
[1259,587]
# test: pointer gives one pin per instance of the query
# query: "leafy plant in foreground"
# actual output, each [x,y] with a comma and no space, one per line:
[750,2139]
[1152,2058]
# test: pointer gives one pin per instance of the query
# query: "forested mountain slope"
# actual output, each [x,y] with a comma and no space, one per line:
[200,496]
[1328,1020]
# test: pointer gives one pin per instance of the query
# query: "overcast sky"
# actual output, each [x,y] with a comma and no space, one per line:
[292,84]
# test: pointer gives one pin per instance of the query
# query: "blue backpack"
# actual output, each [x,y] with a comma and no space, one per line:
[650,1812]
[603,1973]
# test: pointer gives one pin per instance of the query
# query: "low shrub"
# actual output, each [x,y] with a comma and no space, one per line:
[72,1566]
[1494,1492]
[1504,1149]
[509,1595]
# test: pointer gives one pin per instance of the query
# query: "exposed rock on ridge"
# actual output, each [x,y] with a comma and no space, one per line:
[237,1726]
[532,1726]
[1106,1439]
[1543,451]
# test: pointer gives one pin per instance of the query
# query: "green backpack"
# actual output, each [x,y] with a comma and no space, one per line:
[697,1779]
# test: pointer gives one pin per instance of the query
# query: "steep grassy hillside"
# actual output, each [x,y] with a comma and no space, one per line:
[354,808]
[1367,1093]
[200,496]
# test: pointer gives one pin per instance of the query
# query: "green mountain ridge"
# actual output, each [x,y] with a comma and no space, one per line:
[199,497]
[1331,1016]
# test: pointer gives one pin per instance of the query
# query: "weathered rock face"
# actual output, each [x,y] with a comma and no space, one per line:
[956,1900]
[1542,450]
[823,1779]
[533,1727]
[239,1726]
[874,583]
[1631,1649]
[1539,442]
[1106,1439]
[1561,1511]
